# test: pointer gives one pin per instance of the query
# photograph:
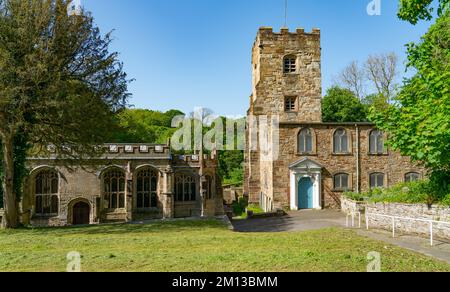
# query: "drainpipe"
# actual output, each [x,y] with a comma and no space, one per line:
[358,171]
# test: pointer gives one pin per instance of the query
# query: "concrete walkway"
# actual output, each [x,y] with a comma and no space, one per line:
[315,220]
[294,221]
[440,250]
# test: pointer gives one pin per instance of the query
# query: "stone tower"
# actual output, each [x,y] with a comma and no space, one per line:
[287,66]
[286,83]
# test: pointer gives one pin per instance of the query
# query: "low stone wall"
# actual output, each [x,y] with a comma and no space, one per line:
[231,194]
[350,206]
[416,211]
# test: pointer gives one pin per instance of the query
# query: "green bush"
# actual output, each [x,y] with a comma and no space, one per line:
[240,206]
[359,197]
[420,192]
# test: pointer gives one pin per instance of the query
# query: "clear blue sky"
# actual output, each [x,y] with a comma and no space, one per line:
[197,53]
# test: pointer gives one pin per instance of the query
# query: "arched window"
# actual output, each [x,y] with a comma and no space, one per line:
[377,180]
[114,189]
[185,188]
[290,64]
[305,141]
[147,189]
[341,182]
[376,142]
[412,177]
[340,142]
[46,193]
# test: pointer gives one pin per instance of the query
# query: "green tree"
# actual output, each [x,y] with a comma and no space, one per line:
[59,84]
[419,121]
[144,126]
[415,10]
[342,105]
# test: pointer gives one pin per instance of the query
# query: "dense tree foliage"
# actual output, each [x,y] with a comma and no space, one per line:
[144,126]
[59,85]
[342,105]
[419,121]
[415,10]
[148,126]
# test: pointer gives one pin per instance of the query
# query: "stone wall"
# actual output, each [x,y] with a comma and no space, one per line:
[86,185]
[350,206]
[391,163]
[271,85]
[417,211]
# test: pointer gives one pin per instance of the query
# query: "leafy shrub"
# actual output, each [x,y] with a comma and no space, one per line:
[446,201]
[420,192]
[240,206]
[359,197]
[411,193]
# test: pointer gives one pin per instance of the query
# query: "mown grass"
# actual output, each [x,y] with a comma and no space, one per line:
[196,246]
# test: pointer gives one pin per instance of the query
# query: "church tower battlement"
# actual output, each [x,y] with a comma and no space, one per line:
[287,77]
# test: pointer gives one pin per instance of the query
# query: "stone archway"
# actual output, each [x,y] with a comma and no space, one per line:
[80,212]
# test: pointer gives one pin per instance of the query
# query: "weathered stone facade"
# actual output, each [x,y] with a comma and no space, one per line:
[168,186]
[295,97]
[410,211]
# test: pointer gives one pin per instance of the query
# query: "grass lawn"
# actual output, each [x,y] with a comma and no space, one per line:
[195,246]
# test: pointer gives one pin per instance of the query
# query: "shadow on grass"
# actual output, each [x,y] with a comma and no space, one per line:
[124,228]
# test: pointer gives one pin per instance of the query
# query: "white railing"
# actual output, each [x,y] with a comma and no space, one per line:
[353,216]
[395,219]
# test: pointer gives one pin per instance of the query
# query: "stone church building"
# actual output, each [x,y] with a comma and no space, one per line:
[130,182]
[317,161]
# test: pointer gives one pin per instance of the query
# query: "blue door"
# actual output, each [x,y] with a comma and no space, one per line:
[305,193]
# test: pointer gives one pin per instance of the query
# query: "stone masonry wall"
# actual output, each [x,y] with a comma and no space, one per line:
[272,85]
[85,185]
[270,88]
[419,211]
[392,164]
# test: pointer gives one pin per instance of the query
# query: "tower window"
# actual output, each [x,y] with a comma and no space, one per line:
[290,104]
[290,64]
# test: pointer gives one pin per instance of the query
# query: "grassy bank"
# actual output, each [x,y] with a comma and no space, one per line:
[199,246]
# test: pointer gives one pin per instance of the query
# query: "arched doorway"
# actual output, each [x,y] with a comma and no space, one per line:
[81,214]
[305,193]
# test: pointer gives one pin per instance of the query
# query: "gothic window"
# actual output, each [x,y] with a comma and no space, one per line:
[377,180]
[341,181]
[412,177]
[114,189]
[147,189]
[340,141]
[305,141]
[185,188]
[290,64]
[376,142]
[46,193]
[290,104]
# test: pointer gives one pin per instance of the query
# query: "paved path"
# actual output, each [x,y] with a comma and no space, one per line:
[314,220]
[294,221]
[440,250]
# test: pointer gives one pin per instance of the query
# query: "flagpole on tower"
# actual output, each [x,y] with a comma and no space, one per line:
[285,12]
